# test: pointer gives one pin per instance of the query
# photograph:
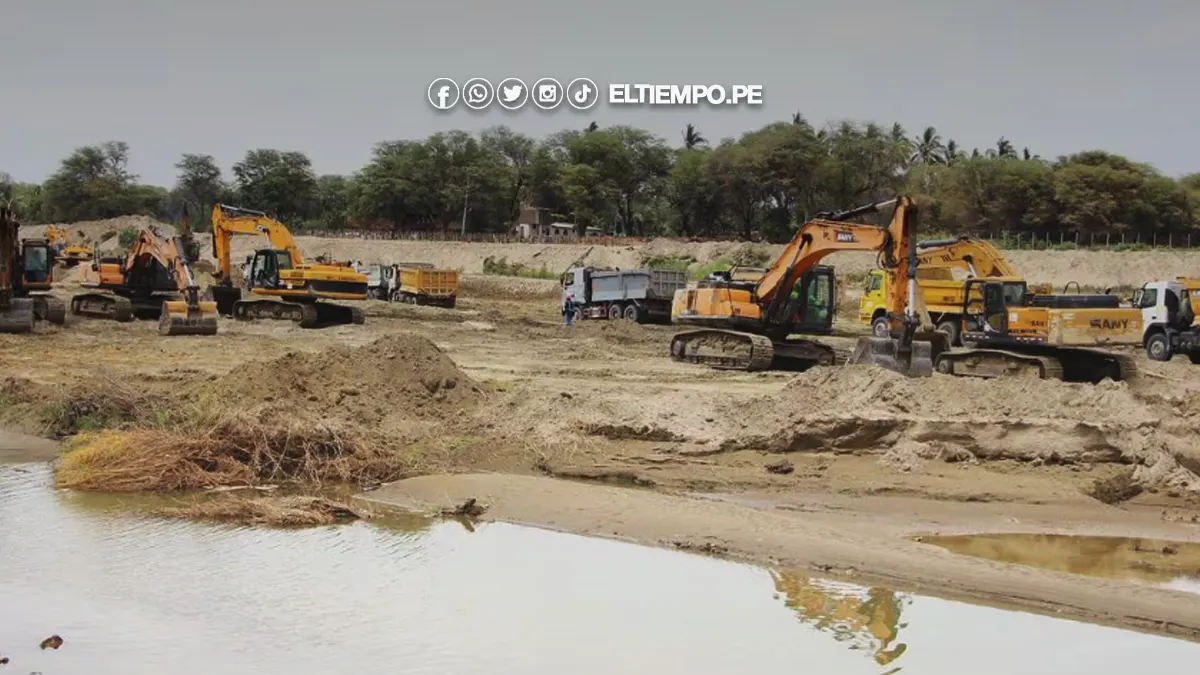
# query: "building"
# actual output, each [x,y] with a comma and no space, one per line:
[535,223]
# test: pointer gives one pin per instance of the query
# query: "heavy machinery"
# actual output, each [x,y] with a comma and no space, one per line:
[413,283]
[298,288]
[67,253]
[1169,310]
[638,295]
[1008,331]
[154,280]
[942,291]
[748,322]
[26,275]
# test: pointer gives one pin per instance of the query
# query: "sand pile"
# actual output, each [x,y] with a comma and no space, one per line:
[403,374]
[861,409]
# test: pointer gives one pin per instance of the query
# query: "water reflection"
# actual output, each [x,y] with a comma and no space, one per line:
[1172,564]
[131,593]
[867,618]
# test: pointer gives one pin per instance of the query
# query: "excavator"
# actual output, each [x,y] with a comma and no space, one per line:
[154,280]
[747,323]
[937,261]
[298,287]
[70,255]
[26,275]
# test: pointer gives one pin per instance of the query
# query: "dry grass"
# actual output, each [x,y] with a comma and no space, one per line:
[231,450]
[295,511]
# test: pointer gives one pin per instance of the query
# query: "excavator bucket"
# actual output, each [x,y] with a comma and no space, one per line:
[18,318]
[917,359]
[178,318]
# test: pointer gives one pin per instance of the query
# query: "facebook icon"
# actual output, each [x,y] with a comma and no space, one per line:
[443,93]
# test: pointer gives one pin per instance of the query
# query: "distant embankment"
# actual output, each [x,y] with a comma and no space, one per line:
[1088,268]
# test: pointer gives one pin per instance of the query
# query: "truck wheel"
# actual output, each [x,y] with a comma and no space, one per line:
[950,329]
[576,316]
[1158,347]
[1194,356]
[614,311]
[880,327]
[633,313]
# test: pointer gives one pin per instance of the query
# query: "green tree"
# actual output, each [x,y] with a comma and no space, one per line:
[278,182]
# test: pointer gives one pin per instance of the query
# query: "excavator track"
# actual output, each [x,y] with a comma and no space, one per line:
[102,306]
[733,350]
[49,308]
[1069,364]
[307,315]
[723,349]
[18,318]
[991,363]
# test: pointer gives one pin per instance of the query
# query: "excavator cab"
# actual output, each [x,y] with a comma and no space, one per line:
[37,264]
[812,302]
[266,266]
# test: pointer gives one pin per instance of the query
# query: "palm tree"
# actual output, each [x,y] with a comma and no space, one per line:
[1005,149]
[898,132]
[951,153]
[592,127]
[693,138]
[928,148]
[798,119]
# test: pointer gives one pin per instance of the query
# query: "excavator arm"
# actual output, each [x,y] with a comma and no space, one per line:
[976,256]
[830,233]
[230,220]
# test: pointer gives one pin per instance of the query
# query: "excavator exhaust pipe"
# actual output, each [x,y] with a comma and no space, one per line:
[915,360]
[178,318]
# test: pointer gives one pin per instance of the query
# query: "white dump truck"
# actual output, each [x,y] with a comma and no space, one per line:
[641,295]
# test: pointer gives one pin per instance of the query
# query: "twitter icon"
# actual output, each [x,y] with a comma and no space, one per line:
[512,93]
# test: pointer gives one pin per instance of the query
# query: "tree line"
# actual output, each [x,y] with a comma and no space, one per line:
[628,181]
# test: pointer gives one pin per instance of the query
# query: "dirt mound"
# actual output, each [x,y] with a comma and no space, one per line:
[866,410]
[865,390]
[99,233]
[402,373]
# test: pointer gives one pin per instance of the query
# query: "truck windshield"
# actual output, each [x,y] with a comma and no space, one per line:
[1145,297]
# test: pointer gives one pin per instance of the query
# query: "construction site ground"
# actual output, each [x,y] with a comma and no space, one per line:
[593,429]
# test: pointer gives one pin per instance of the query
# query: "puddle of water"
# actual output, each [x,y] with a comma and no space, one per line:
[131,593]
[1171,564]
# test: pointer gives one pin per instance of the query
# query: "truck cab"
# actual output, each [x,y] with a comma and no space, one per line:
[1168,318]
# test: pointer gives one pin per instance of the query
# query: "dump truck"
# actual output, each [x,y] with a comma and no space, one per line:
[413,283]
[1169,310]
[640,295]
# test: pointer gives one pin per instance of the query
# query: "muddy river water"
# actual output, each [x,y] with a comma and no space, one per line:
[133,593]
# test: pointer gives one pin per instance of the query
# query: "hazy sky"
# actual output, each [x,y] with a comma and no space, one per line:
[332,78]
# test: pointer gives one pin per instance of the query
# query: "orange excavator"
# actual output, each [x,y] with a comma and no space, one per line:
[26,275]
[154,280]
[747,324]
